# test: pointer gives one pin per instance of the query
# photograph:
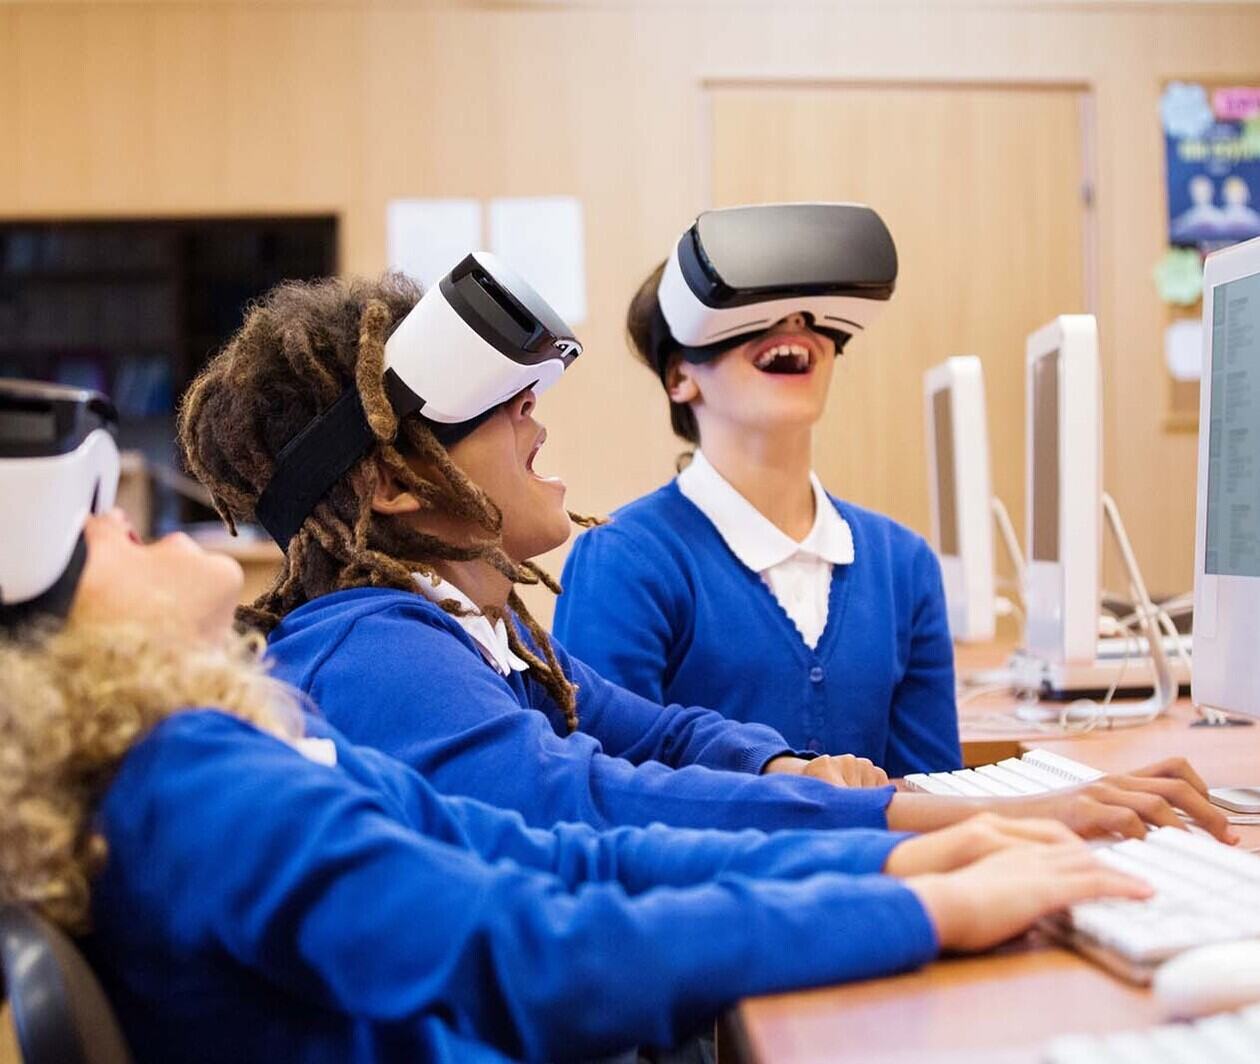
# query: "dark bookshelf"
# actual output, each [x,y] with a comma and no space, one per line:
[135,307]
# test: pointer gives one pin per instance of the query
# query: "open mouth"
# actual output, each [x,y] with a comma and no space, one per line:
[788,357]
[533,454]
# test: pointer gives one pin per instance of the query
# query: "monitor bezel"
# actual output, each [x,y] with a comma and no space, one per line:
[968,576]
[1062,597]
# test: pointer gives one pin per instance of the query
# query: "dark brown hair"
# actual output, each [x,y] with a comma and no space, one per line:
[643,325]
[301,346]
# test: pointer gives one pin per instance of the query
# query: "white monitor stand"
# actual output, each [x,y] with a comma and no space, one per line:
[1227,539]
[958,486]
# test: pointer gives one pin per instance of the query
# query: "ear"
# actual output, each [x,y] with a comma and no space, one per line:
[680,382]
[390,497]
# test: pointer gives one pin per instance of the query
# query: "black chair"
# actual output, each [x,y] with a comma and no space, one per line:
[60,1013]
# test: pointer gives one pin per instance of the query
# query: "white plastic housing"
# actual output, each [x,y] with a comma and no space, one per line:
[51,498]
[693,324]
[458,375]
[960,492]
[1226,601]
[1063,466]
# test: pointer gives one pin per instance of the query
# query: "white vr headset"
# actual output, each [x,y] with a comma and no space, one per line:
[477,338]
[737,271]
[58,465]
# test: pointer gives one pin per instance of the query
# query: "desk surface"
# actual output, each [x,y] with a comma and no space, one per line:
[1000,1007]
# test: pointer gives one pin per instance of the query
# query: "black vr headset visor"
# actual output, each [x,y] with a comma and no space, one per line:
[477,338]
[736,272]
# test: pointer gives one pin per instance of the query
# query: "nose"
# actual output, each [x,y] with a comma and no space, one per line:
[795,321]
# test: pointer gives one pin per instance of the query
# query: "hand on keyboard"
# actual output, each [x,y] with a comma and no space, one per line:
[965,843]
[1175,768]
[1045,784]
[1004,894]
[1152,790]
[1124,805]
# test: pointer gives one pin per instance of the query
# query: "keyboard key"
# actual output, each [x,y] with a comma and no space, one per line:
[1229,1038]
[1035,774]
[1062,766]
[987,785]
[935,783]
[1239,862]
[1013,780]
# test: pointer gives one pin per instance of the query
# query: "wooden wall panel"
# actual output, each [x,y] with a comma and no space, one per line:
[142,108]
[983,197]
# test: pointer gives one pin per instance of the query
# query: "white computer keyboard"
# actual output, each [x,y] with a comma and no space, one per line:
[1206,892]
[1037,772]
[1228,1038]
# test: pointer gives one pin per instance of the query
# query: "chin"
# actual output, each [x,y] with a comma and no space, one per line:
[223,576]
[545,538]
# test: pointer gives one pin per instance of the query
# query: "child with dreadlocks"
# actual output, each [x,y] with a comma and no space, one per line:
[396,609]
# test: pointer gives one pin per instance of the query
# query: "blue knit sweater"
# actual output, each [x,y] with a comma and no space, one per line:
[656,601]
[257,906]
[392,671]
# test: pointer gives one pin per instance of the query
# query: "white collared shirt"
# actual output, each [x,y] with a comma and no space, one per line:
[797,574]
[491,639]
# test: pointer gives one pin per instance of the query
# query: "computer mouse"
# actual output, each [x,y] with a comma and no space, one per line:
[1209,979]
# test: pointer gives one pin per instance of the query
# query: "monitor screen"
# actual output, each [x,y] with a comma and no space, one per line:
[1232,545]
[946,486]
[1045,463]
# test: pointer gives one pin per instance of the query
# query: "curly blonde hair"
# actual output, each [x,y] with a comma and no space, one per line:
[74,702]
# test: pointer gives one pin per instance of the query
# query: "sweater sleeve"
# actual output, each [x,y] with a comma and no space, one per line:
[306,880]
[431,702]
[923,721]
[629,726]
[619,612]
[636,858]
[618,609]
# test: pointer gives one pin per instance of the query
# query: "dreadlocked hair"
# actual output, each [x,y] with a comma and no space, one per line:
[302,345]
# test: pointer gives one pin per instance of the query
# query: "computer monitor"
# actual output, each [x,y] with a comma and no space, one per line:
[958,485]
[1063,534]
[1227,534]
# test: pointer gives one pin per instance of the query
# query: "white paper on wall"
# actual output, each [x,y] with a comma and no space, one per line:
[541,237]
[1183,348]
[426,237]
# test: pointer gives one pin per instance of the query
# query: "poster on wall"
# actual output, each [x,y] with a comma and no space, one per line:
[1212,154]
[1212,145]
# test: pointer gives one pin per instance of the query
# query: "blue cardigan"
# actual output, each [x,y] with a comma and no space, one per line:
[656,602]
[258,906]
[392,671]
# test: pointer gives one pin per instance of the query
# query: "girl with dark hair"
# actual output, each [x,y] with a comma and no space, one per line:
[396,610]
[743,585]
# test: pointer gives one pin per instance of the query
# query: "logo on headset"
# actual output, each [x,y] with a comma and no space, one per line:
[568,348]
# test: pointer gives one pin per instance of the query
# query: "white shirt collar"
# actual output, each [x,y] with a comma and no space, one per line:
[752,537]
[491,638]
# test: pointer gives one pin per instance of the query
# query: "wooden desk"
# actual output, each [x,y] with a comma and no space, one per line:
[1000,1007]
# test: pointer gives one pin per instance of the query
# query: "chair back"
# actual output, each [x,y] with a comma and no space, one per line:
[60,1014]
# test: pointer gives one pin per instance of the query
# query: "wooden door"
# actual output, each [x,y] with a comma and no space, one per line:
[983,190]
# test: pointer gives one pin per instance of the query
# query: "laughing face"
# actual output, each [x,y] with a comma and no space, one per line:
[776,380]
[499,457]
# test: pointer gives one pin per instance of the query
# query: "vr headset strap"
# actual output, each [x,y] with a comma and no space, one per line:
[310,464]
[318,456]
